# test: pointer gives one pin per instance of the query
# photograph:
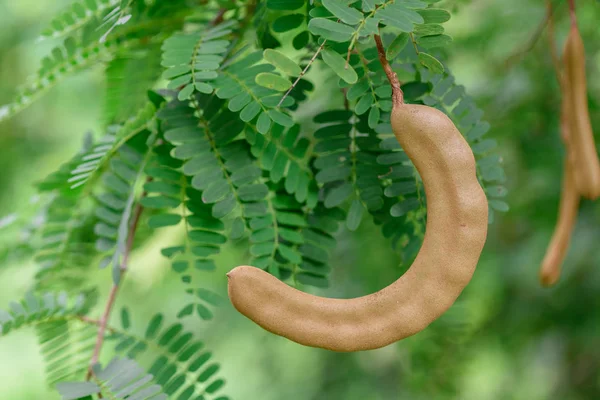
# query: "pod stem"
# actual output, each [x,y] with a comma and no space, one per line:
[397,94]
[312,60]
[552,43]
[572,12]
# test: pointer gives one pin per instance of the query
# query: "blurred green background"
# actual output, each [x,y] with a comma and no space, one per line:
[507,338]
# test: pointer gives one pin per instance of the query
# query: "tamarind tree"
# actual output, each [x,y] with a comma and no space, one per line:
[211,134]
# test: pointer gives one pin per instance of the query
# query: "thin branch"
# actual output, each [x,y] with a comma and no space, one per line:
[414,42]
[346,102]
[219,17]
[533,40]
[397,94]
[96,322]
[552,43]
[250,11]
[312,60]
[114,290]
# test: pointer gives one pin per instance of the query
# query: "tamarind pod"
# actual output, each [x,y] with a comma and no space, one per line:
[567,216]
[584,155]
[565,112]
[455,235]
[565,133]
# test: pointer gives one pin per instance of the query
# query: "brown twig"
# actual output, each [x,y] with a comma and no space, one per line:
[533,40]
[102,324]
[250,9]
[312,60]
[346,102]
[397,94]
[219,17]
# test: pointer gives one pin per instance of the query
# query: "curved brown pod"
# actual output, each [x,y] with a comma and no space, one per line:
[586,171]
[455,235]
[559,244]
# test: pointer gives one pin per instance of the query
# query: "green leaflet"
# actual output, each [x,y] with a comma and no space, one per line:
[433,41]
[330,30]
[282,62]
[434,15]
[396,46]
[401,15]
[270,81]
[346,14]
[431,63]
[337,63]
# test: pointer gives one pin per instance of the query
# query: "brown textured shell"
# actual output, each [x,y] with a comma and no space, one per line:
[586,171]
[455,235]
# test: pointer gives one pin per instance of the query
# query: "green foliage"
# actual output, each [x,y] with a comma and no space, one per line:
[20,231]
[284,154]
[73,219]
[117,199]
[37,310]
[77,15]
[176,202]
[65,340]
[347,164]
[64,238]
[231,150]
[87,48]
[193,58]
[128,78]
[237,84]
[178,362]
[120,379]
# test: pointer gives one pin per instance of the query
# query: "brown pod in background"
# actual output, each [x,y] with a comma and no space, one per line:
[567,218]
[583,154]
